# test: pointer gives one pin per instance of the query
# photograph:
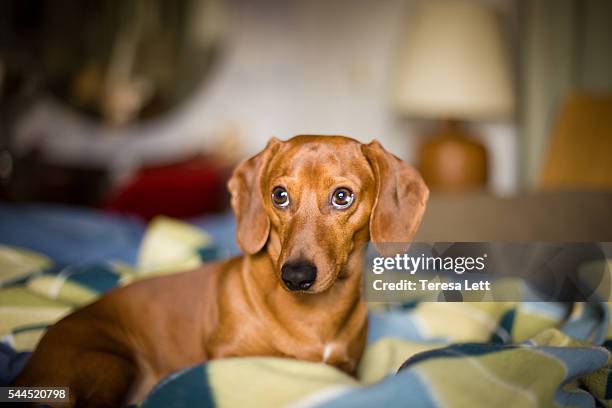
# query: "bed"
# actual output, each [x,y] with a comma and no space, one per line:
[54,259]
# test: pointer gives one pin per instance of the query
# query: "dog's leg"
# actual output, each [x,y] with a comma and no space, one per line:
[95,379]
[106,377]
[86,361]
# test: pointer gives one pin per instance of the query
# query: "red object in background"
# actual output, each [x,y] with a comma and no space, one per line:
[181,190]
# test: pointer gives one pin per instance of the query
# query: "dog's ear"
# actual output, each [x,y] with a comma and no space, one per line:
[253,224]
[401,196]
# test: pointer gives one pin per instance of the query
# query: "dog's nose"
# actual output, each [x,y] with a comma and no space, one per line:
[298,275]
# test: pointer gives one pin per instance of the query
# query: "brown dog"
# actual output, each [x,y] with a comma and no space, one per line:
[305,209]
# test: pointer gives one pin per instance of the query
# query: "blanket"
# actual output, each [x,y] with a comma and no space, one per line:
[420,354]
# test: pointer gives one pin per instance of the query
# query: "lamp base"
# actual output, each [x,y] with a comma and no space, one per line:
[451,160]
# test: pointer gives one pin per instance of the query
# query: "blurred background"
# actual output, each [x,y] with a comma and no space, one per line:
[143,107]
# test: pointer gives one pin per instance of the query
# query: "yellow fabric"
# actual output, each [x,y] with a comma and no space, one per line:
[16,263]
[248,384]
[170,245]
[385,356]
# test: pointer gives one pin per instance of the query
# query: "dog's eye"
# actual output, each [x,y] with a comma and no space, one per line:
[280,197]
[342,198]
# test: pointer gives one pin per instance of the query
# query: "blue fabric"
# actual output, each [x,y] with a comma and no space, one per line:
[588,325]
[406,389]
[71,235]
[394,324]
[222,228]
[99,277]
[11,364]
[191,391]
[75,235]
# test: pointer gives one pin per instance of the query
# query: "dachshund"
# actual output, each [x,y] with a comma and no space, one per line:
[305,210]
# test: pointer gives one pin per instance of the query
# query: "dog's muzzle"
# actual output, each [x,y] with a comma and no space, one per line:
[298,275]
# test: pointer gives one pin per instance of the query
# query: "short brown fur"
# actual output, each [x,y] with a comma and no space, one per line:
[112,352]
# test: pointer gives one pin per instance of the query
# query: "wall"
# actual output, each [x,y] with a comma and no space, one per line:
[566,48]
[288,67]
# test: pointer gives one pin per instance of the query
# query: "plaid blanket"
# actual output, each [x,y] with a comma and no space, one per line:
[418,354]
[550,369]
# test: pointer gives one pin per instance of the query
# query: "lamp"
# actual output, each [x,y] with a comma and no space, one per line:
[453,66]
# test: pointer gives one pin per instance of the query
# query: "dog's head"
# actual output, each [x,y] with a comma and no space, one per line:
[312,200]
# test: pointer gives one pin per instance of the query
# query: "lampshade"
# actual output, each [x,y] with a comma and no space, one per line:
[454,64]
